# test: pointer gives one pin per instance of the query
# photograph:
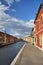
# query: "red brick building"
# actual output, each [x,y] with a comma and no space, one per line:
[6,38]
[39,27]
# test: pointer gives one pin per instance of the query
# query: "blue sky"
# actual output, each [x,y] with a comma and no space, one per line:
[17,16]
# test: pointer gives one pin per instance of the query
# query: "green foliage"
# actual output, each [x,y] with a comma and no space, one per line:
[32,43]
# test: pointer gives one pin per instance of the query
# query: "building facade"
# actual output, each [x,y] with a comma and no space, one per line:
[2,37]
[33,36]
[28,39]
[39,28]
[6,38]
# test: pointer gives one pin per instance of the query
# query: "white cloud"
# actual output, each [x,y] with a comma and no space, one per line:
[17,0]
[13,10]
[1,26]
[18,27]
[17,34]
[3,7]
[3,16]
[2,13]
[9,2]
[30,24]
[0,3]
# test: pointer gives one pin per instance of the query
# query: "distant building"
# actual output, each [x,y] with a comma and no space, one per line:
[39,28]
[33,36]
[28,39]
[6,38]
[2,37]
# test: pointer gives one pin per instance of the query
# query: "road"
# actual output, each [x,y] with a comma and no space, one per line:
[31,56]
[8,53]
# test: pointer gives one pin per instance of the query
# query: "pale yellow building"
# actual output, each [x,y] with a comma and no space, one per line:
[33,36]
[28,39]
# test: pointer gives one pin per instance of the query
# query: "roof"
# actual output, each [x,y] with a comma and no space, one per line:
[40,7]
[2,32]
[7,34]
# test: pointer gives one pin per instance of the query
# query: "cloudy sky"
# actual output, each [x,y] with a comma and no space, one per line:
[17,16]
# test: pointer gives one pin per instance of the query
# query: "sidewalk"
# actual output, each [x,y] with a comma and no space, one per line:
[31,56]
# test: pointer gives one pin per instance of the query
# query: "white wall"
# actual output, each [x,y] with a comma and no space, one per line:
[42,40]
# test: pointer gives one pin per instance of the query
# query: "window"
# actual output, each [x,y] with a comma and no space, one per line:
[42,20]
[40,39]
[38,22]
[0,39]
[42,17]
[0,34]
